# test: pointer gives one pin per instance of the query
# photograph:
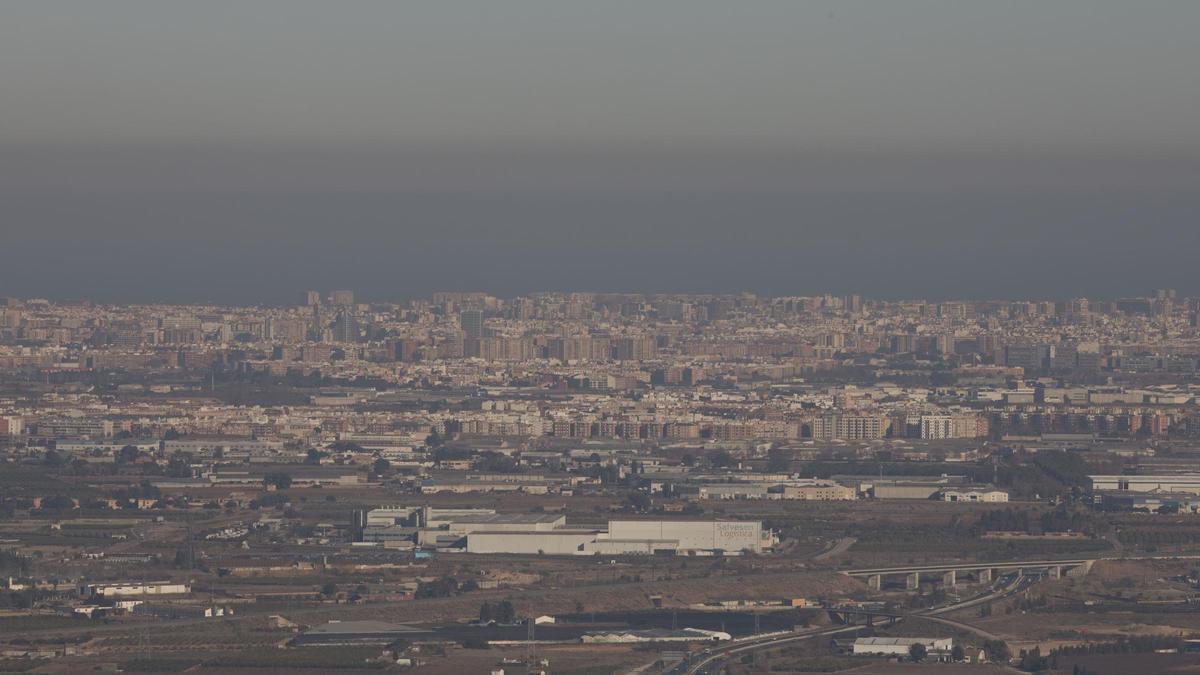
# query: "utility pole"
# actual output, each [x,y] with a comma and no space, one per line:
[529,651]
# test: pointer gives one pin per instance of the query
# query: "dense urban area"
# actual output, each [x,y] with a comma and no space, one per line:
[590,483]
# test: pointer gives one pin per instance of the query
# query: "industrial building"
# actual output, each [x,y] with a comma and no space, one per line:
[1184,482]
[485,531]
[944,488]
[802,489]
[444,528]
[656,635]
[900,646]
[134,589]
[555,542]
[631,537]
[973,494]
[1148,502]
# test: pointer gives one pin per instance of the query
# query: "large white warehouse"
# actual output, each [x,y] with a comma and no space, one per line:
[1184,482]
[691,535]
[628,537]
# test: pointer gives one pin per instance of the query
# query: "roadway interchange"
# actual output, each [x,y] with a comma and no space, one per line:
[712,661]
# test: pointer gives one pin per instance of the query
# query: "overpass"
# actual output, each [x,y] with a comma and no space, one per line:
[710,663]
[983,571]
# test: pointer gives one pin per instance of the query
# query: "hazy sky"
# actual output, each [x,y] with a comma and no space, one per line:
[248,150]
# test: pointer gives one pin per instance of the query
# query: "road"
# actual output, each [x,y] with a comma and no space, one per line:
[1010,564]
[712,663]
[839,547]
[1017,584]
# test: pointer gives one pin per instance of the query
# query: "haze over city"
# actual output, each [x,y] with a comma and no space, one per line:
[540,337]
[234,153]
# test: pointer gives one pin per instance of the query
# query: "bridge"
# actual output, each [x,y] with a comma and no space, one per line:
[847,615]
[711,663]
[982,571]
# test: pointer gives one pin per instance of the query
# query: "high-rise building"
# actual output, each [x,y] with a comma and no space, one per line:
[471,321]
[341,298]
[312,298]
[345,327]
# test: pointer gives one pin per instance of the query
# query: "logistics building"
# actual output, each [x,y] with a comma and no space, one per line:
[1184,482]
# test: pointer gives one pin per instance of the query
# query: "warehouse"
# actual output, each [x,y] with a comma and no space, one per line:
[973,494]
[133,589]
[1184,482]
[625,537]
[900,646]
[553,542]
[656,635]
[692,535]
[898,490]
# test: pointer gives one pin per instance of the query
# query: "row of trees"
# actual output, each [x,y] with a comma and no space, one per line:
[500,612]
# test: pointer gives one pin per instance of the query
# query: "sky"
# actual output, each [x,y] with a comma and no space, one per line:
[243,151]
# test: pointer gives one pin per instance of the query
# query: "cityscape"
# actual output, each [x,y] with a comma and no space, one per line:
[534,337]
[634,480]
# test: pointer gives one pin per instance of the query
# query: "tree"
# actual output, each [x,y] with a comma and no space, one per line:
[957,653]
[180,466]
[127,454]
[381,467]
[279,479]
[505,612]
[495,462]
[720,459]
[57,503]
[1033,660]
[997,650]
[55,458]
[917,652]
[485,613]
[438,588]
[779,460]
[638,501]
[329,590]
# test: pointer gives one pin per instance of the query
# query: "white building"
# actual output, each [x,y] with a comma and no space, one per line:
[134,590]
[899,646]
[974,495]
[692,535]
[626,537]
[1184,482]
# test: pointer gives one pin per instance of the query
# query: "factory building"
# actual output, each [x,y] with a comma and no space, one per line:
[485,531]
[631,537]
[1188,482]
[692,535]
[900,646]
[560,542]
[973,495]
[802,489]
[133,589]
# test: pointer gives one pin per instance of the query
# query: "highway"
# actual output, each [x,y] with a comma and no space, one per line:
[839,547]
[1011,564]
[711,663]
